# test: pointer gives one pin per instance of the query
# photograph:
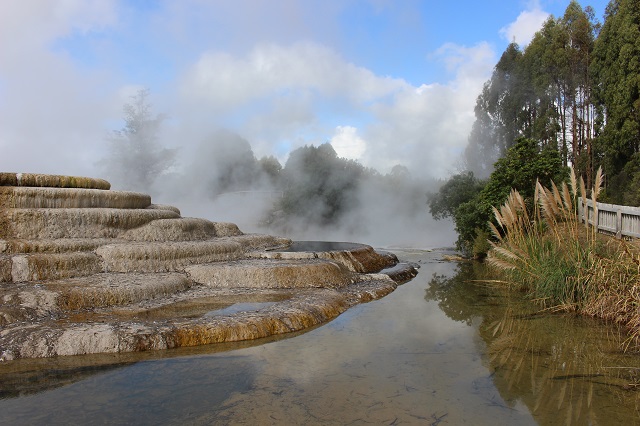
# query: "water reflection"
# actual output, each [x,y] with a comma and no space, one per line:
[321,246]
[442,349]
[463,296]
[239,307]
[566,369]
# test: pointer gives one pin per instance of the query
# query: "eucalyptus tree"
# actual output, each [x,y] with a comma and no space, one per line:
[543,93]
[580,28]
[497,113]
[541,62]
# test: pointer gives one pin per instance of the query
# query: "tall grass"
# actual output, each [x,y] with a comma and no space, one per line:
[562,263]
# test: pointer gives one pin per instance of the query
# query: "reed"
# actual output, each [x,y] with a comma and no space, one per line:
[560,263]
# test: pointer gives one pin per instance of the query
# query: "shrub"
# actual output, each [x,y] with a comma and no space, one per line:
[471,207]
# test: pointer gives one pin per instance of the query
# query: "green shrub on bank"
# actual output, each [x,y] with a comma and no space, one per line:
[469,201]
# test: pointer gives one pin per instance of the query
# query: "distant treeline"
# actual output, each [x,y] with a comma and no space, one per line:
[318,187]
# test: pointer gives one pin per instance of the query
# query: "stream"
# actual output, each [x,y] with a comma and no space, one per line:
[443,349]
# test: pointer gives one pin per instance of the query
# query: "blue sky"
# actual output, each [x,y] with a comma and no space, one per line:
[385,81]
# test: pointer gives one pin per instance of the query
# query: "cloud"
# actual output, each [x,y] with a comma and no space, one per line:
[28,26]
[426,128]
[347,143]
[50,114]
[294,93]
[279,93]
[281,97]
[227,81]
[526,25]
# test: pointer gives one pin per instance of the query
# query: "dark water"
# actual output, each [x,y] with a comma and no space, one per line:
[440,350]
[321,246]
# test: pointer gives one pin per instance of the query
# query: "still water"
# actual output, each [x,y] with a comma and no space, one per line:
[442,349]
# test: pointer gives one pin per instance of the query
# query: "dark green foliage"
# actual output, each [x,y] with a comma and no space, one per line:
[624,187]
[481,244]
[524,164]
[458,199]
[471,218]
[318,185]
[459,189]
[616,68]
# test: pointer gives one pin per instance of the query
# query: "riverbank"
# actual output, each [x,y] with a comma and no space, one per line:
[565,265]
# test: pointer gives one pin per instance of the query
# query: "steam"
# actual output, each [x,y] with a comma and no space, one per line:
[280,82]
[222,180]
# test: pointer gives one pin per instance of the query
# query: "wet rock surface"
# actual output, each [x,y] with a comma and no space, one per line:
[87,270]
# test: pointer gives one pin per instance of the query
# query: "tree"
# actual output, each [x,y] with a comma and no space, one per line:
[497,113]
[541,62]
[136,158]
[318,185]
[524,164]
[271,168]
[543,93]
[229,162]
[616,68]
[459,189]
[579,29]
[399,174]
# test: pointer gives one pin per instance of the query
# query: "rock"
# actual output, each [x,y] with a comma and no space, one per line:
[84,269]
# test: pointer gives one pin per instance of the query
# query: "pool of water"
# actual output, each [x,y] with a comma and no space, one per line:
[321,246]
[240,307]
[442,349]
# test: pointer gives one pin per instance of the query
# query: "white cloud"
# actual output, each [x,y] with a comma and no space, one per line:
[526,25]
[427,128]
[278,95]
[347,143]
[224,80]
[50,114]
[281,96]
[28,26]
[291,93]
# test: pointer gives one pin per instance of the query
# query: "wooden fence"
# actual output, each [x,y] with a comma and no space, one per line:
[620,221]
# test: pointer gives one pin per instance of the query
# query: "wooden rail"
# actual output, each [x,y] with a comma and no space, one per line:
[621,221]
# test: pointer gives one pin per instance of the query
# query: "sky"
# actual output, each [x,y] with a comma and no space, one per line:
[386,82]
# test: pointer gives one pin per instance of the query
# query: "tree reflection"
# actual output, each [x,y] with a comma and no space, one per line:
[462,296]
[564,368]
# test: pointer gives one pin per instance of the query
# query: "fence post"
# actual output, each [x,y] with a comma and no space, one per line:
[618,223]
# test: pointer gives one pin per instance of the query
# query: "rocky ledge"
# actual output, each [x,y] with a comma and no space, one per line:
[84,269]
